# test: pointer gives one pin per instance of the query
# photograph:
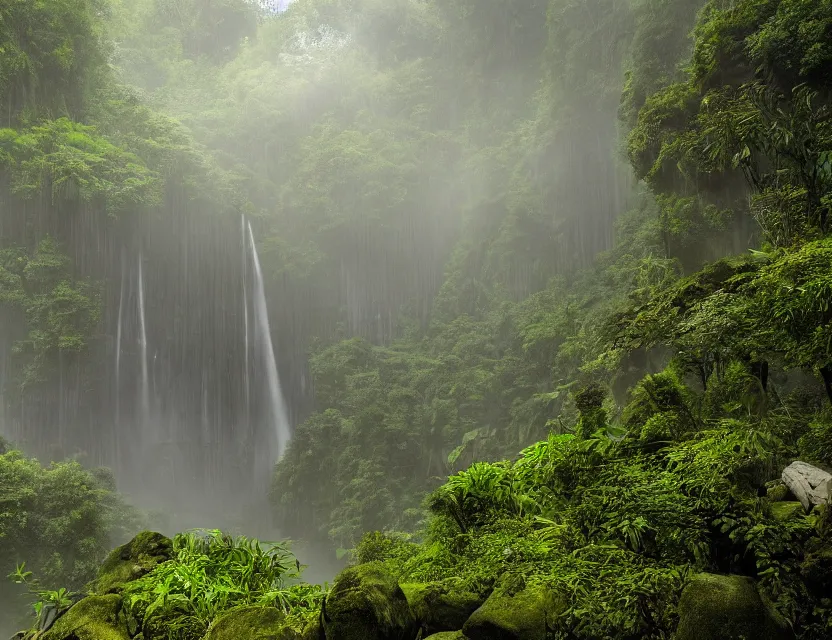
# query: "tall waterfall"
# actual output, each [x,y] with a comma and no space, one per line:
[279,433]
[145,385]
[246,343]
[186,404]
[116,427]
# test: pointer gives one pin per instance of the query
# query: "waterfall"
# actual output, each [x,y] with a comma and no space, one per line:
[279,434]
[247,346]
[117,426]
[145,386]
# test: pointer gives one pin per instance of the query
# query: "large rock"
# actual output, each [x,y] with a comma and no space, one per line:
[810,485]
[777,491]
[715,607]
[447,635]
[93,618]
[366,603]
[526,615]
[133,560]
[252,623]
[440,606]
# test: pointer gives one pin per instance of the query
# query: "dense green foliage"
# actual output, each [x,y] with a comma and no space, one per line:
[616,527]
[450,224]
[495,369]
[60,312]
[210,574]
[58,521]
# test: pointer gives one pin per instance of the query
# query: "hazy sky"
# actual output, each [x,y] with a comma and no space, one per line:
[277,5]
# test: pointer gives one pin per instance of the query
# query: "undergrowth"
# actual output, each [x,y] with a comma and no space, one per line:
[212,573]
[617,525]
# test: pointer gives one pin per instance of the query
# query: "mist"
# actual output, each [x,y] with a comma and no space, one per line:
[356,192]
[393,318]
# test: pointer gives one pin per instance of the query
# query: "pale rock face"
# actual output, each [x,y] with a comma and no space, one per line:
[810,485]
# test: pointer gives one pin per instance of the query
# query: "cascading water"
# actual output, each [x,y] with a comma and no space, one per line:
[144,393]
[191,408]
[246,345]
[116,428]
[279,433]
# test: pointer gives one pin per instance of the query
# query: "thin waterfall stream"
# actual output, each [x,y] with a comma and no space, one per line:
[278,436]
[145,386]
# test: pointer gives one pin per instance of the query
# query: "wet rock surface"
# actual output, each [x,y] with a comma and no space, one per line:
[719,607]
[810,485]
[93,618]
[251,623]
[367,603]
[133,560]
[526,615]
[441,606]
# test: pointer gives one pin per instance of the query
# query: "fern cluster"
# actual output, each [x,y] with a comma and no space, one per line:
[212,573]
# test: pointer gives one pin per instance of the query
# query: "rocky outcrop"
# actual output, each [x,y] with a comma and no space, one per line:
[526,615]
[367,603]
[441,606]
[810,485]
[93,618]
[252,623]
[133,560]
[717,607]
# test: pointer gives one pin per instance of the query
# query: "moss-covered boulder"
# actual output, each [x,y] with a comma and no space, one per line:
[441,606]
[93,618]
[716,607]
[526,615]
[252,623]
[777,491]
[366,603]
[782,511]
[447,635]
[133,560]
[313,631]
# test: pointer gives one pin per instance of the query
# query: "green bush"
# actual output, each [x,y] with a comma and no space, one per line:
[59,521]
[816,444]
[212,573]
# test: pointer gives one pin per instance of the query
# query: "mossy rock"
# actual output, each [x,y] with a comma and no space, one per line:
[366,603]
[525,615]
[777,491]
[716,607]
[447,635]
[133,560]
[440,606]
[252,623]
[782,511]
[156,626]
[313,631]
[93,618]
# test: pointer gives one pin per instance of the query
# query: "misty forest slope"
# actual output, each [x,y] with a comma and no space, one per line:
[551,284]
